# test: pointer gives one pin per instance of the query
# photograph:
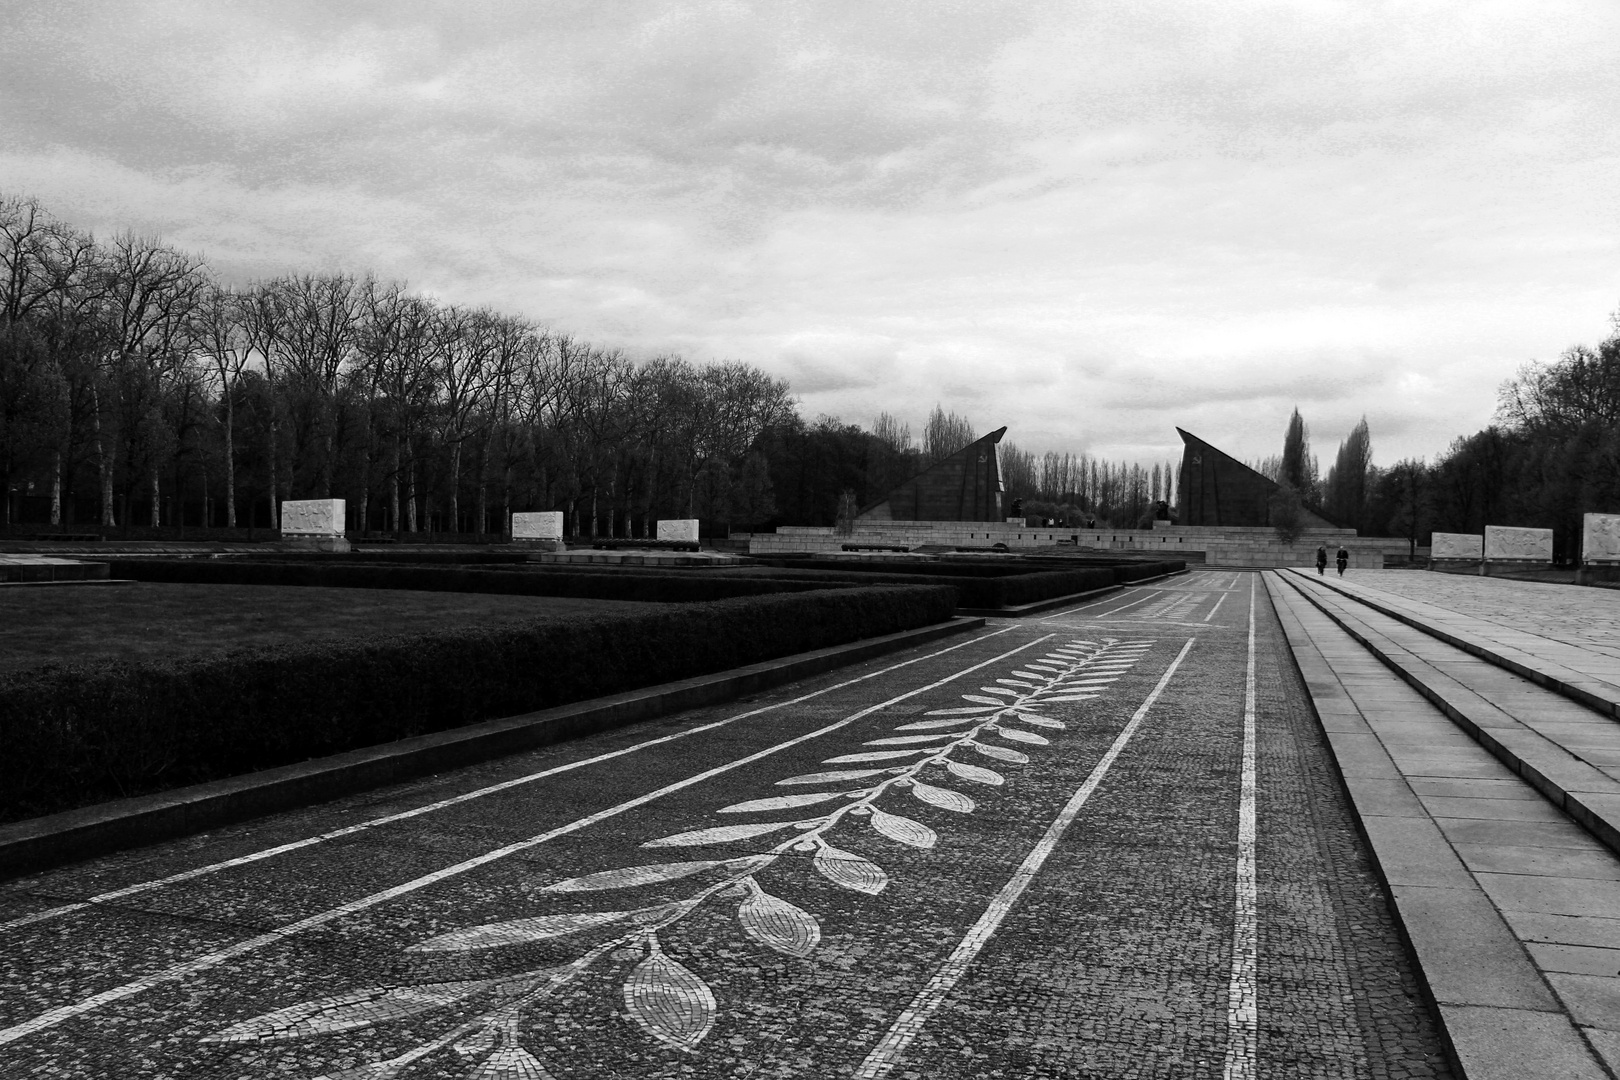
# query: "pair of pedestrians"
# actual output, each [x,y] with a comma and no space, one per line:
[1342,558]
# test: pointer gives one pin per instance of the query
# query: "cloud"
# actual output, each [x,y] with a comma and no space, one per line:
[1088,223]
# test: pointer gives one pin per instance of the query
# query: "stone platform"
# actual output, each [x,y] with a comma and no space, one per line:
[45,569]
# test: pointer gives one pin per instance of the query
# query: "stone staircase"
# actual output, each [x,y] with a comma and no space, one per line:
[1481,751]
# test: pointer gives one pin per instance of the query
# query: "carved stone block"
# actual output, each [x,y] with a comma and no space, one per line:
[312,517]
[1457,546]
[538,525]
[1600,538]
[1503,542]
[684,530]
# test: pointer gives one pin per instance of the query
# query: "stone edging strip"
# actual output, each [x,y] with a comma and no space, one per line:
[1584,793]
[1494,1009]
[1036,606]
[1543,673]
[76,834]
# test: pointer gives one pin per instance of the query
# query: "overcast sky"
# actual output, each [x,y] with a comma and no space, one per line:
[1091,222]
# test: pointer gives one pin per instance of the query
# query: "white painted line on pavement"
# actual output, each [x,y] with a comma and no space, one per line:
[1219,600]
[1242,1013]
[209,960]
[888,1052]
[348,830]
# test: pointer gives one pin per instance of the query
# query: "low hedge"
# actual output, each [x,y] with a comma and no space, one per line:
[80,734]
[604,584]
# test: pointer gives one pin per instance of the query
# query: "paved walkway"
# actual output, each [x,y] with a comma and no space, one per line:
[1491,802]
[1108,842]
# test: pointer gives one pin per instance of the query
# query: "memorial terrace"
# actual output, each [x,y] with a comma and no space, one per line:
[1213,546]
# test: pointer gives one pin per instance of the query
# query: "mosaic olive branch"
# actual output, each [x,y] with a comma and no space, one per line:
[663,997]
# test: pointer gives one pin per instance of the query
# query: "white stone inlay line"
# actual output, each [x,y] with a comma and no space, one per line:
[1219,600]
[1242,1013]
[348,830]
[889,1050]
[57,1015]
[1151,594]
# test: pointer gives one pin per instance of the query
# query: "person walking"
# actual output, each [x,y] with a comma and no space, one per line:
[1343,559]
[1321,559]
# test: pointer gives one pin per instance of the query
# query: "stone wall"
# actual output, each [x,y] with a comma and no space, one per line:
[1245,547]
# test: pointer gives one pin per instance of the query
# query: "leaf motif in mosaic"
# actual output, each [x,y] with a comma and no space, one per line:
[838,774]
[942,797]
[1002,690]
[1021,683]
[1067,697]
[982,700]
[975,773]
[779,925]
[903,829]
[720,834]
[850,870]
[670,1003]
[1039,721]
[779,802]
[517,931]
[346,1012]
[904,740]
[971,710]
[630,876]
[872,755]
[1023,736]
[929,725]
[1001,753]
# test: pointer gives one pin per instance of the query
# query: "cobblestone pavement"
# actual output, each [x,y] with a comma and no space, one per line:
[1037,852]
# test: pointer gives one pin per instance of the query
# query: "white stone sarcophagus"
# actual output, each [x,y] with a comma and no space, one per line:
[1457,546]
[683,530]
[315,523]
[538,525]
[1600,538]
[1505,543]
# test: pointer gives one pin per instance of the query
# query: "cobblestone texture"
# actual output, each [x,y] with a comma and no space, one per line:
[579,925]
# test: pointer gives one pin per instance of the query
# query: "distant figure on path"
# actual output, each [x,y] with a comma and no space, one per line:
[1343,559]
[1321,559]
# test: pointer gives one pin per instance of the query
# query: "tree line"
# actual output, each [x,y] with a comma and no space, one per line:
[139,390]
[1550,455]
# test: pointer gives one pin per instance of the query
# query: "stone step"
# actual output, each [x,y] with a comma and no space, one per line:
[1511,909]
[1568,752]
[1588,674]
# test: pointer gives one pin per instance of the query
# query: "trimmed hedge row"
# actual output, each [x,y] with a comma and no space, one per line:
[604,584]
[1002,590]
[76,735]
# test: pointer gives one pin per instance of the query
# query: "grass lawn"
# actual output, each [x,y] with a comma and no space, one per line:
[147,621]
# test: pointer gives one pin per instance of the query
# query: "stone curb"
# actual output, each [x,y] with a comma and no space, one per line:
[1533,757]
[1446,930]
[1037,606]
[1539,675]
[81,581]
[76,834]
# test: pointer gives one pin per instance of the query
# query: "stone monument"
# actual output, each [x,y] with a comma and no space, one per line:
[1600,539]
[966,486]
[1218,490]
[680,530]
[1468,546]
[538,528]
[1504,543]
[314,524]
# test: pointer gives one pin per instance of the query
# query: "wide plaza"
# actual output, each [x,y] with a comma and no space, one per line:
[1226,823]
